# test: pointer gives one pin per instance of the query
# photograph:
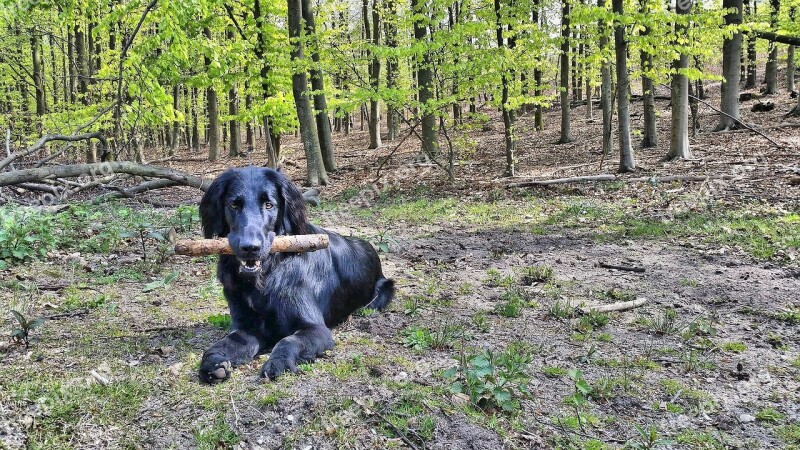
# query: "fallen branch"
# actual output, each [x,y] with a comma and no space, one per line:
[621,306]
[609,177]
[52,137]
[623,268]
[775,37]
[281,244]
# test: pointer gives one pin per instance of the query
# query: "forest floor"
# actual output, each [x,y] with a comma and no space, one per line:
[711,361]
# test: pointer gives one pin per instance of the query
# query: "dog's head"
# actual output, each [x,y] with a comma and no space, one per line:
[250,206]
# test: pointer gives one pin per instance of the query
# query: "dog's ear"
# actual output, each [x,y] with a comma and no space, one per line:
[212,208]
[292,215]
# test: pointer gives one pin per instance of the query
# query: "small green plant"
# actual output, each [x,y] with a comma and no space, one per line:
[465,288]
[620,295]
[580,395]
[481,322]
[535,274]
[663,324]
[24,235]
[770,415]
[591,321]
[790,316]
[700,327]
[494,278]
[553,371]
[221,321]
[186,217]
[561,310]
[411,306]
[22,333]
[215,435]
[164,282]
[417,338]
[648,439]
[734,347]
[492,380]
[365,312]
[512,302]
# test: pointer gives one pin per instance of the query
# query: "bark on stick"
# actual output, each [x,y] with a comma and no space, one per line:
[281,244]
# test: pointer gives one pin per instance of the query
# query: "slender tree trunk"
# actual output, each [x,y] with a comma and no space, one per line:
[316,167]
[508,114]
[752,56]
[38,74]
[649,134]
[175,131]
[790,67]
[73,68]
[606,89]
[80,56]
[392,69]
[195,125]
[53,72]
[372,34]
[425,83]
[212,108]
[234,131]
[566,135]
[272,139]
[679,133]
[626,162]
[318,85]
[771,73]
[731,56]
[249,138]
[537,72]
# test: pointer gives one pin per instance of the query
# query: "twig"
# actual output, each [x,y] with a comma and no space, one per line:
[620,306]
[80,312]
[625,268]
[100,379]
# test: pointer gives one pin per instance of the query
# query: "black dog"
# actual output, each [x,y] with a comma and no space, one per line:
[281,301]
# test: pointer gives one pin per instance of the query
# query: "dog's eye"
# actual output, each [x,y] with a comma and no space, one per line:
[267,205]
[233,205]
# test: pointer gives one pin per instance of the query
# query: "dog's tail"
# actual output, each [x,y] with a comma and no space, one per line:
[384,293]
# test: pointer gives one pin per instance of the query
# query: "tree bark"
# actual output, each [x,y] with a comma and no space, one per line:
[606,88]
[537,72]
[752,55]
[790,66]
[72,67]
[507,76]
[272,140]
[372,34]
[392,69]
[175,124]
[679,132]
[566,136]
[249,137]
[281,244]
[318,85]
[316,169]
[38,74]
[626,162]
[731,56]
[212,108]
[649,135]
[430,135]
[771,73]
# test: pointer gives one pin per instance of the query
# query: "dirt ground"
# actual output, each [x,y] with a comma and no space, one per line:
[711,361]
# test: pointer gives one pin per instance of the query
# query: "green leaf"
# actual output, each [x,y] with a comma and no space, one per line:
[153,286]
[171,277]
[36,323]
[20,318]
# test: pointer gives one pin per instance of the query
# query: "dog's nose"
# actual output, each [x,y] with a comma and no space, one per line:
[251,247]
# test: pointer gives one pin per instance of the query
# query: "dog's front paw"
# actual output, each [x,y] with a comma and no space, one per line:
[277,365]
[214,368]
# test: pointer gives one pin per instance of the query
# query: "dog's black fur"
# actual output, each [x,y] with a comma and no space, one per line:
[289,302]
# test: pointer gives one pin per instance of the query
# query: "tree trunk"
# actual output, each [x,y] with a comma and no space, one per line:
[80,56]
[316,168]
[537,72]
[430,135]
[234,131]
[72,67]
[606,89]
[175,124]
[54,72]
[679,132]
[272,140]
[731,56]
[392,69]
[195,125]
[649,135]
[318,85]
[752,56]
[249,137]
[507,77]
[372,34]
[38,74]
[790,67]
[771,73]
[212,108]
[626,162]
[566,136]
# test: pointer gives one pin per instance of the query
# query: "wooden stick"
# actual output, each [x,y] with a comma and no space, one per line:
[624,268]
[281,244]
[621,306]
